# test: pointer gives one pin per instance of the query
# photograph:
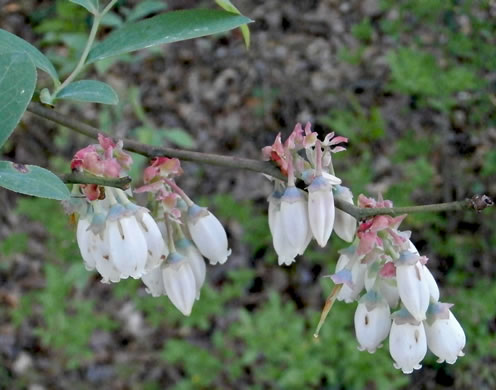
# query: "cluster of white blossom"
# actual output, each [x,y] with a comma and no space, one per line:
[120,239]
[296,216]
[382,269]
[385,266]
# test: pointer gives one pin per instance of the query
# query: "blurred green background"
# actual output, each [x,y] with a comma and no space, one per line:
[412,84]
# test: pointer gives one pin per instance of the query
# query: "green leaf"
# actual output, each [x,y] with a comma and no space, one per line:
[89,91]
[91,5]
[10,42]
[32,180]
[165,28]
[229,7]
[145,8]
[17,83]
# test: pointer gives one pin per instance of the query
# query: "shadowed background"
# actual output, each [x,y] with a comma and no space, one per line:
[412,84]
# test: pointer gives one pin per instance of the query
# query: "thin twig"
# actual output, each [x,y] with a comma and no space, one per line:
[478,202]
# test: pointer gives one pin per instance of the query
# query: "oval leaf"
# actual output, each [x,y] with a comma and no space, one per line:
[89,91]
[17,83]
[90,5]
[32,180]
[165,28]
[10,42]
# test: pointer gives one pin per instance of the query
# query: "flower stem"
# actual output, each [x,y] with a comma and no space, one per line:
[291,176]
[89,43]
[318,158]
[180,192]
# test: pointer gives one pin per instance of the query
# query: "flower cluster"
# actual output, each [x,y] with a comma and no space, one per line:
[296,216]
[384,265]
[120,239]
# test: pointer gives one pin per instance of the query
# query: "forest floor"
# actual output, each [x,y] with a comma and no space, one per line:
[413,87]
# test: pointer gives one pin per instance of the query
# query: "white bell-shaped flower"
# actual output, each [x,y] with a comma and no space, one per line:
[433,287]
[127,246]
[407,345]
[413,287]
[372,322]
[179,282]
[320,210]
[284,247]
[294,218]
[208,234]
[431,283]
[104,266]
[344,224]
[389,290]
[83,240]
[445,337]
[95,252]
[186,248]
[154,282]
[358,270]
[385,286]
[156,248]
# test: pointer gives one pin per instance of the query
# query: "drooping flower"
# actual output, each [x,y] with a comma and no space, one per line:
[445,336]
[83,240]
[351,261]
[412,285]
[407,342]
[176,279]
[321,210]
[95,252]
[431,282]
[283,246]
[127,246]
[179,282]
[186,248]
[372,321]
[156,248]
[208,234]
[345,225]
[294,218]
